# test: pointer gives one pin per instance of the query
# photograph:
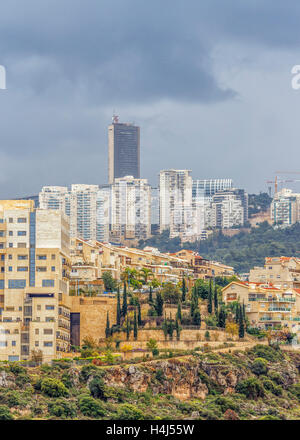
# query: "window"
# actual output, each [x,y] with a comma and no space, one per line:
[16,284]
[49,307]
[22,269]
[2,269]
[22,233]
[48,344]
[41,269]
[22,220]
[21,245]
[49,319]
[53,256]
[53,268]
[10,245]
[1,284]
[1,246]
[3,343]
[48,283]
[10,233]
[48,331]
[41,257]
[9,268]
[13,343]
[38,307]
[22,257]
[1,220]
[36,343]
[1,233]
[37,331]
[10,220]
[2,257]
[10,256]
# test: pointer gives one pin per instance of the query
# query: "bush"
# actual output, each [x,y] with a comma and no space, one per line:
[22,379]
[97,387]
[62,408]
[159,375]
[87,371]
[91,407]
[210,414]
[251,388]
[225,403]
[126,411]
[259,366]
[266,352]
[268,385]
[295,390]
[275,377]
[16,368]
[53,387]
[5,413]
[14,398]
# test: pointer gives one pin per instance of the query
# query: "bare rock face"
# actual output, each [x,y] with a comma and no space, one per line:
[7,380]
[74,376]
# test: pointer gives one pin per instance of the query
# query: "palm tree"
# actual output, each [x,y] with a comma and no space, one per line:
[145,273]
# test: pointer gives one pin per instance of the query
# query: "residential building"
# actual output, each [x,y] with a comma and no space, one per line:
[285,208]
[267,306]
[87,207]
[283,272]
[176,210]
[130,209]
[206,188]
[34,281]
[123,150]
[227,209]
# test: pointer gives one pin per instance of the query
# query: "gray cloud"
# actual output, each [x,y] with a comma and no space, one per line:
[70,63]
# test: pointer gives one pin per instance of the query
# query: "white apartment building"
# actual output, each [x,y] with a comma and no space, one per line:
[176,210]
[285,208]
[227,209]
[130,209]
[87,206]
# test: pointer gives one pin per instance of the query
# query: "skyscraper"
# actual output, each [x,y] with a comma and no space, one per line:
[123,150]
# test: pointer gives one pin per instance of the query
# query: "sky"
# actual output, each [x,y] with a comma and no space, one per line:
[208,82]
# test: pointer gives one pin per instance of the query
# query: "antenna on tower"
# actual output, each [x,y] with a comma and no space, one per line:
[115,118]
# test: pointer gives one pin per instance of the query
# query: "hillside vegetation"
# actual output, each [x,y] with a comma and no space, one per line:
[242,251]
[262,383]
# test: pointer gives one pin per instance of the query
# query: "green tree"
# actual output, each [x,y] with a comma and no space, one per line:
[177,329]
[107,328]
[183,289]
[159,304]
[216,299]
[139,314]
[179,314]
[135,326]
[241,325]
[170,293]
[222,318]
[150,300]
[118,308]
[210,298]
[127,328]
[110,284]
[197,318]
[124,305]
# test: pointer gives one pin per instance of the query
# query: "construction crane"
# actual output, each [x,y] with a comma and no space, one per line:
[276,181]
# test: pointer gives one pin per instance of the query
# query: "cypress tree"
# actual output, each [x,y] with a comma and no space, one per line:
[237,314]
[150,300]
[118,308]
[209,305]
[222,318]
[107,328]
[139,314]
[241,326]
[127,329]
[159,302]
[177,328]
[178,315]
[135,326]
[216,299]
[165,327]
[197,318]
[124,305]
[183,297]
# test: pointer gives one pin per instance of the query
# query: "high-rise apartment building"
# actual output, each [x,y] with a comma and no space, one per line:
[123,150]
[206,188]
[34,281]
[285,208]
[130,209]
[175,193]
[227,209]
[87,206]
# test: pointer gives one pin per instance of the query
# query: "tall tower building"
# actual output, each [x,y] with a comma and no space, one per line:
[123,150]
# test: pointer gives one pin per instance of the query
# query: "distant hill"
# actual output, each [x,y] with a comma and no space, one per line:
[243,251]
[258,203]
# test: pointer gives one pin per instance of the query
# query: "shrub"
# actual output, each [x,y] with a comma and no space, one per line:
[275,377]
[5,413]
[268,385]
[231,415]
[295,390]
[87,371]
[97,387]
[16,368]
[14,398]
[62,408]
[259,366]
[53,387]
[207,335]
[159,375]
[225,403]
[266,352]
[251,388]
[22,379]
[126,411]
[91,407]
[210,414]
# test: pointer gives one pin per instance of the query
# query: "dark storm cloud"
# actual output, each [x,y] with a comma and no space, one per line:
[70,62]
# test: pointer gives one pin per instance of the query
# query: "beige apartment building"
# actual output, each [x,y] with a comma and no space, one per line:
[283,272]
[34,281]
[267,306]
